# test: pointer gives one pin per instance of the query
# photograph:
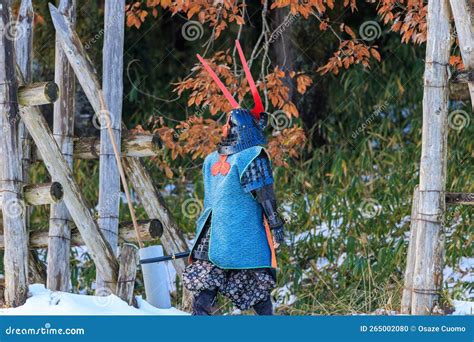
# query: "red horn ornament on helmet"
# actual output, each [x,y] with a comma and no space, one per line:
[258,109]
[241,123]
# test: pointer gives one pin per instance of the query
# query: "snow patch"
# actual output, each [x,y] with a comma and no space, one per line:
[42,301]
[463,307]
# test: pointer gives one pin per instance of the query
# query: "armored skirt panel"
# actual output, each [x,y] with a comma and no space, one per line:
[239,239]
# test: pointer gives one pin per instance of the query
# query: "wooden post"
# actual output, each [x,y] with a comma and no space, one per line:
[112,85]
[428,268]
[24,56]
[16,238]
[128,261]
[410,267]
[462,20]
[59,246]
[150,230]
[173,239]
[57,166]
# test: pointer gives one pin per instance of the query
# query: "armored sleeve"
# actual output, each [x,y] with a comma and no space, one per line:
[258,179]
[257,174]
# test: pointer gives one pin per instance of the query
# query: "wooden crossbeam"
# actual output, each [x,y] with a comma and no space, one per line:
[150,230]
[460,198]
[37,94]
[41,194]
[462,76]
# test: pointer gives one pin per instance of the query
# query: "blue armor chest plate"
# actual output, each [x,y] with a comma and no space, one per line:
[238,236]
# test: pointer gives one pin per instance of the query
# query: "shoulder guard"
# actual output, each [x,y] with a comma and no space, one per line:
[257,174]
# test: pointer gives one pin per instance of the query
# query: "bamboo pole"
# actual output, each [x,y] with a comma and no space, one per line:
[112,85]
[59,272]
[462,20]
[41,194]
[410,267]
[173,239]
[57,166]
[37,94]
[150,230]
[16,239]
[427,276]
[128,261]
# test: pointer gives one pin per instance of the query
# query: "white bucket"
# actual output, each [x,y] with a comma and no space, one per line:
[156,278]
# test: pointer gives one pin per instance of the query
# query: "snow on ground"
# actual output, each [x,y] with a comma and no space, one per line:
[324,229]
[463,307]
[46,302]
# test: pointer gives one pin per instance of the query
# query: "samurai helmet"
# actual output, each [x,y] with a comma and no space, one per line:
[244,127]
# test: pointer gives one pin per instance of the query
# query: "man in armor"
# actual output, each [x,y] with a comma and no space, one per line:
[239,229]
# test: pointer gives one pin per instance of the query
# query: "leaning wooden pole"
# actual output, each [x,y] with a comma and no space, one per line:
[173,239]
[112,85]
[16,239]
[427,276]
[59,244]
[98,248]
[465,33]
[24,57]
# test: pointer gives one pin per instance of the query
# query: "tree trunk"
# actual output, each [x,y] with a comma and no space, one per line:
[16,238]
[428,269]
[59,245]
[112,85]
